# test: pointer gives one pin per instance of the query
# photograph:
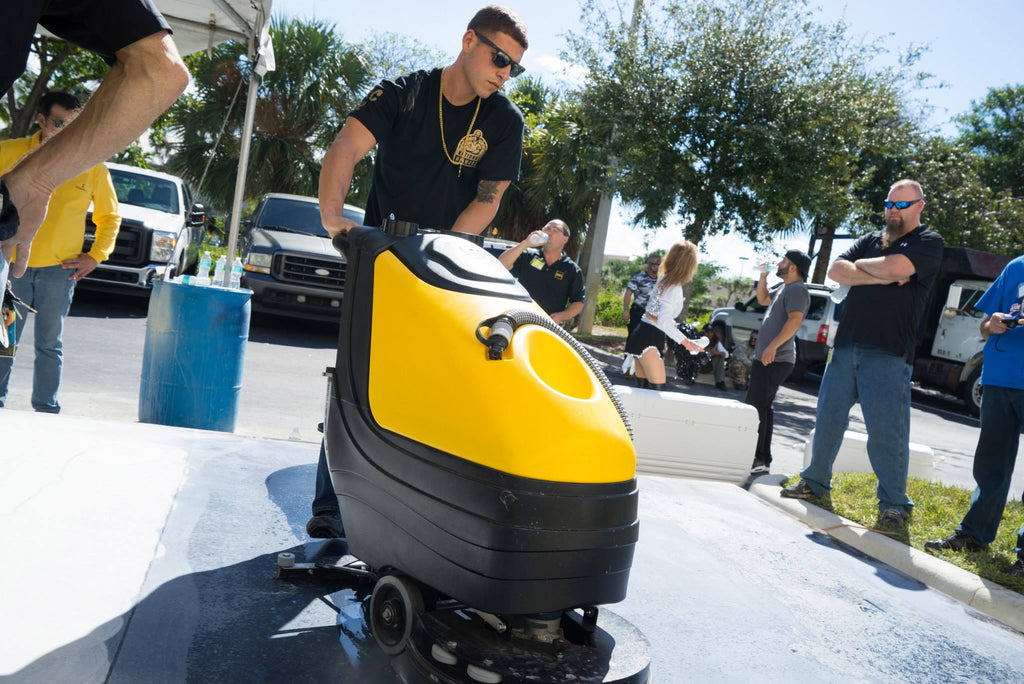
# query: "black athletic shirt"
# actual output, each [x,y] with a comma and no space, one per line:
[889,316]
[102,26]
[553,287]
[412,178]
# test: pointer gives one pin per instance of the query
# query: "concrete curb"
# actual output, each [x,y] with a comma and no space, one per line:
[985,596]
[604,356]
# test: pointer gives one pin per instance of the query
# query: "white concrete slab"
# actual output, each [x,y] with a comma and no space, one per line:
[86,515]
[726,588]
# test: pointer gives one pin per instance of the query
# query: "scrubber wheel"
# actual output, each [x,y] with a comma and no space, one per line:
[394,604]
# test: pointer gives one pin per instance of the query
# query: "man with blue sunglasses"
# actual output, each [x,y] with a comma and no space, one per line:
[890,273]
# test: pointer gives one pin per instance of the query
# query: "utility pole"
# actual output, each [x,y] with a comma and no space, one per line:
[599,228]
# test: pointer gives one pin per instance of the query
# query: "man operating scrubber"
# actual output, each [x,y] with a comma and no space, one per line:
[448,145]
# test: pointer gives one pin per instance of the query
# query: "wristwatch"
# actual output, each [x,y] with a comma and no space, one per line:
[8,213]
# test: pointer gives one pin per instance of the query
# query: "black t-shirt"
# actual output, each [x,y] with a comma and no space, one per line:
[553,287]
[889,316]
[412,177]
[102,26]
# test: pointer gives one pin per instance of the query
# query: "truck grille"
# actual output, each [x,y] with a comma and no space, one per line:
[131,247]
[295,268]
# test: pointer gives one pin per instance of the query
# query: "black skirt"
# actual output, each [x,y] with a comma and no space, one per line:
[645,336]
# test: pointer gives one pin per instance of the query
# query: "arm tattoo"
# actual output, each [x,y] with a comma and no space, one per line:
[486,191]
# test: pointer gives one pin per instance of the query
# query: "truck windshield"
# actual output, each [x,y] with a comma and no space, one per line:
[145,191]
[298,216]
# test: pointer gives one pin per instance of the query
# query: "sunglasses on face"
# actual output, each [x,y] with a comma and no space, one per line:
[654,263]
[900,205]
[501,58]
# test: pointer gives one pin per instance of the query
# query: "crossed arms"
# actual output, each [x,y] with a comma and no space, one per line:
[894,268]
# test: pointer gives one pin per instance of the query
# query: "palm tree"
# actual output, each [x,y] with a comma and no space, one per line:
[560,175]
[302,105]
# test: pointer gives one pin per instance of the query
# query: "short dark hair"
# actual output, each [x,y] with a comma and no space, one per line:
[60,98]
[495,18]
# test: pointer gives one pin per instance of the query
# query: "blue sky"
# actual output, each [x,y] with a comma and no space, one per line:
[973,46]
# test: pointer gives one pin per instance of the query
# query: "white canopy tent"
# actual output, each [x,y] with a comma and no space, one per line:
[201,24]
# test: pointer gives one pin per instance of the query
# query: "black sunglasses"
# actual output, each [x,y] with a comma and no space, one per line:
[501,58]
[900,205]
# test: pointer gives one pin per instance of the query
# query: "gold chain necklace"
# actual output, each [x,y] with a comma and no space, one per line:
[440,118]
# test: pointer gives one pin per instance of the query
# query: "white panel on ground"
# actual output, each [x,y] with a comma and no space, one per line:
[853,456]
[691,436]
[85,516]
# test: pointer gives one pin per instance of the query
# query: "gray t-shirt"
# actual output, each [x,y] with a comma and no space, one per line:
[792,297]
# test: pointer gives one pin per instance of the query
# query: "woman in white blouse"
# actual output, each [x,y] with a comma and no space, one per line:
[659,319]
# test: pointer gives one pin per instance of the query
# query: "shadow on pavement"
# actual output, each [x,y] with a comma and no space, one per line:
[293,332]
[96,304]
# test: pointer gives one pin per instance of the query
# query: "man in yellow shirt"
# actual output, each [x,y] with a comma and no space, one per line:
[56,261]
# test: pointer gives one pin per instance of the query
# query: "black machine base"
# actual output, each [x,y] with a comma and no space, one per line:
[459,647]
[435,640]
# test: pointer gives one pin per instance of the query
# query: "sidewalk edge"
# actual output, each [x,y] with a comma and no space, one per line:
[983,595]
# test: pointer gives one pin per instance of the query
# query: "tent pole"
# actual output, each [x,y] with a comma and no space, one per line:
[243,163]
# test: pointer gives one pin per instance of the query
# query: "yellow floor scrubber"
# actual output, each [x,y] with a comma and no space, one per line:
[484,469]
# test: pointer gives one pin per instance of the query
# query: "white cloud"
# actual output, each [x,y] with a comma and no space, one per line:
[568,74]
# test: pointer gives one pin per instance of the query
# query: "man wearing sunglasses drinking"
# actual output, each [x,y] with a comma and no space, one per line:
[890,273]
[448,145]
[552,278]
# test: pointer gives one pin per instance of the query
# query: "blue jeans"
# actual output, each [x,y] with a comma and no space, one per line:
[325,501]
[880,381]
[49,291]
[1002,419]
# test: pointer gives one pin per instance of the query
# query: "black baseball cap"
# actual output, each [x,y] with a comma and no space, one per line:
[801,261]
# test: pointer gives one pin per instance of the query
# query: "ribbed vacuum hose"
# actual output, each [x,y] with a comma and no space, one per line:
[504,326]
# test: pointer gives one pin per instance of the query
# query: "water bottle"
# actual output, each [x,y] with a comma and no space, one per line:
[203,270]
[218,271]
[536,239]
[839,294]
[236,274]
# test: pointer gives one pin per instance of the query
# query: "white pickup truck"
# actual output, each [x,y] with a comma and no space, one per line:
[161,230]
[949,354]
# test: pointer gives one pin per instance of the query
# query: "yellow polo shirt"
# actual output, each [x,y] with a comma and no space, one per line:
[60,237]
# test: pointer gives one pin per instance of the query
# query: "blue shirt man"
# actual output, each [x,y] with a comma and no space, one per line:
[1002,417]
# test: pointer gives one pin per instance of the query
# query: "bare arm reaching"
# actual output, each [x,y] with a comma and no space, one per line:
[146,79]
[352,144]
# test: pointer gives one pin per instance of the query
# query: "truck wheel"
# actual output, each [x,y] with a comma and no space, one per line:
[970,392]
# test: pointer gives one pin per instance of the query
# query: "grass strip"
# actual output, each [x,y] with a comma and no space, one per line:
[938,509]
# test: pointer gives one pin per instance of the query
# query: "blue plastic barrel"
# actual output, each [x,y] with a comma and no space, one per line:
[194,355]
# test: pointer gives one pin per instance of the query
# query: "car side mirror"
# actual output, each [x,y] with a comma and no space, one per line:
[740,306]
[197,216]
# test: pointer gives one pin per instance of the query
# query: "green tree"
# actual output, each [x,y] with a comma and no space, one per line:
[301,106]
[741,115]
[561,170]
[959,205]
[700,299]
[61,66]
[389,55]
[994,128]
